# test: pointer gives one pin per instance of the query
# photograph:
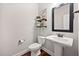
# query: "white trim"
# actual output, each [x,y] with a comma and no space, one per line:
[25,51]
[21,53]
[48,51]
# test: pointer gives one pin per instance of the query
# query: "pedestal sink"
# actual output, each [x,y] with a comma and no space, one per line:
[64,41]
[59,43]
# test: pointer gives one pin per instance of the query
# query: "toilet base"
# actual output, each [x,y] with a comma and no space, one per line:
[35,53]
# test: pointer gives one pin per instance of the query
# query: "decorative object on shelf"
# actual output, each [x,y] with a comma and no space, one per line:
[43,13]
[38,18]
[40,22]
[41,19]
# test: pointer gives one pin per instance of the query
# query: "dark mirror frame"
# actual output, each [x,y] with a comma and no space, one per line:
[70,20]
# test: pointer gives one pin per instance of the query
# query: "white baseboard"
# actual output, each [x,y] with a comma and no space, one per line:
[25,51]
[48,51]
[21,53]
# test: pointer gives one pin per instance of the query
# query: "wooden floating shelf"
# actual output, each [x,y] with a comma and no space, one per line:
[41,26]
[44,19]
[76,11]
[41,20]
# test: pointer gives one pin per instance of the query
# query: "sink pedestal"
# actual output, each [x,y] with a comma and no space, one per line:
[58,50]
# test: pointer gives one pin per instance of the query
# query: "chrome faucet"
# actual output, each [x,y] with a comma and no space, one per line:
[60,35]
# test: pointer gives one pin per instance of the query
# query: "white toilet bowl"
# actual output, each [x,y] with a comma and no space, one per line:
[35,47]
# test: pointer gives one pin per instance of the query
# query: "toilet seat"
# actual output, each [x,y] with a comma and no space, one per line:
[35,46]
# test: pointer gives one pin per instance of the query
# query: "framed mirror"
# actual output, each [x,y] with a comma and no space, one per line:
[62,18]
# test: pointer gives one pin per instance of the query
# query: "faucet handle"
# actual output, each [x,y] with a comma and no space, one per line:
[60,35]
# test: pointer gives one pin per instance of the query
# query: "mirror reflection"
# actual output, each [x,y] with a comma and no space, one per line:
[61,17]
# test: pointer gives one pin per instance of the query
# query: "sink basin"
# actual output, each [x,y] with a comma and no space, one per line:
[64,41]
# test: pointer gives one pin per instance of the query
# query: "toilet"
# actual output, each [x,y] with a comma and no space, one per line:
[35,47]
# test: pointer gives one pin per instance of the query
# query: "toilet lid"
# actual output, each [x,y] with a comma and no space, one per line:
[35,45]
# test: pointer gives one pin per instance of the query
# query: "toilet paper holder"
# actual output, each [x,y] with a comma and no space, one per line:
[21,41]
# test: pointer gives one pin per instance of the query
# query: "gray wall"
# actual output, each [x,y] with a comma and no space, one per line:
[16,22]
[68,51]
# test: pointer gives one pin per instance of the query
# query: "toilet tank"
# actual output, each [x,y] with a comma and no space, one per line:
[41,40]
